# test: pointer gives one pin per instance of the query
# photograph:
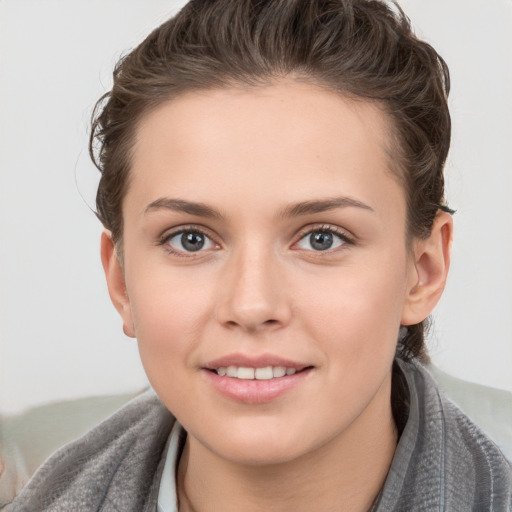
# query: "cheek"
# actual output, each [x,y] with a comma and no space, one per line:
[167,324]
[354,322]
[357,309]
[169,313]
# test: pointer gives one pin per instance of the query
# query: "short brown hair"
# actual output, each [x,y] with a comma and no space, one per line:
[360,48]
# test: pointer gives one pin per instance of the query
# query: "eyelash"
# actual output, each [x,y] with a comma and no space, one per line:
[327,229]
[167,237]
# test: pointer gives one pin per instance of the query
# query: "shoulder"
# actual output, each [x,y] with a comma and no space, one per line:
[113,466]
[489,408]
[443,460]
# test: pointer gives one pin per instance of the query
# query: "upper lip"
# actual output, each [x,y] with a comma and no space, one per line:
[254,361]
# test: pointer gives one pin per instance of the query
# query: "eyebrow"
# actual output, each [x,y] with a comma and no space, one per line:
[180,205]
[323,205]
[293,210]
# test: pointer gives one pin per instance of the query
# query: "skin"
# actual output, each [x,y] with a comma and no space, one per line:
[259,287]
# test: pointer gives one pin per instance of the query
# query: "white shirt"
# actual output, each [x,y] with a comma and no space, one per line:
[167,494]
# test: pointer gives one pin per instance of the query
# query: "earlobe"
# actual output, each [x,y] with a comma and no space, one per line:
[116,282]
[431,265]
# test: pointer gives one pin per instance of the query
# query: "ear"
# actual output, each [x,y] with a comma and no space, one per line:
[430,270]
[116,283]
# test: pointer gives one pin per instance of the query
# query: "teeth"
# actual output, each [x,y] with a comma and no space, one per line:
[246,373]
[279,371]
[264,373]
[232,371]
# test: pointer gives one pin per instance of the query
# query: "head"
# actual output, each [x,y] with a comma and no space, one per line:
[245,63]
[362,50]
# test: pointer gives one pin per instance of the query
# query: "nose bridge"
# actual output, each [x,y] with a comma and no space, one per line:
[253,294]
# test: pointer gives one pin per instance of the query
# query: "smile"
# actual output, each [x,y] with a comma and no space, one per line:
[248,373]
[255,379]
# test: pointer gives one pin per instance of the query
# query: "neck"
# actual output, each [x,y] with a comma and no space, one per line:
[346,473]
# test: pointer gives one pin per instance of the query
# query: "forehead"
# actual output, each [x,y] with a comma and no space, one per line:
[209,145]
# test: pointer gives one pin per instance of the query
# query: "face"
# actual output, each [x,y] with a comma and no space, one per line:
[266,266]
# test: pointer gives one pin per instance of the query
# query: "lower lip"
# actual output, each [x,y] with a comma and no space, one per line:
[255,391]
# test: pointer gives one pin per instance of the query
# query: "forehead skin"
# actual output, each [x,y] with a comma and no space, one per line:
[235,129]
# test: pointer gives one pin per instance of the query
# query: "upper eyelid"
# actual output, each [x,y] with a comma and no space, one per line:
[304,231]
[347,242]
[325,227]
[171,232]
[166,237]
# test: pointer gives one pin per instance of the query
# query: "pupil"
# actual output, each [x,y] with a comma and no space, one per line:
[192,241]
[321,241]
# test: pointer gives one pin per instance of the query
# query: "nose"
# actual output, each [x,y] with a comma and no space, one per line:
[254,296]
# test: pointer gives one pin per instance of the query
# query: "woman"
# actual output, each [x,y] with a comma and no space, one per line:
[276,236]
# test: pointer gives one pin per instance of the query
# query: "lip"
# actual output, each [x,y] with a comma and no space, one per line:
[255,391]
[257,361]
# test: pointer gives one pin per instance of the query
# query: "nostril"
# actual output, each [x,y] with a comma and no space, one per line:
[253,326]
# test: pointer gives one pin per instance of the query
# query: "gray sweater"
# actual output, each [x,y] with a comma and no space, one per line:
[443,462]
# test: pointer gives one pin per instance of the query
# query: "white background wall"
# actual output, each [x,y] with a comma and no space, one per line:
[60,336]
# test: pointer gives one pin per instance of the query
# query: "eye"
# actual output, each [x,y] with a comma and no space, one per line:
[323,239]
[190,240]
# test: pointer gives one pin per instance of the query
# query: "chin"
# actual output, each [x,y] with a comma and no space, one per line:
[256,443]
[258,454]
